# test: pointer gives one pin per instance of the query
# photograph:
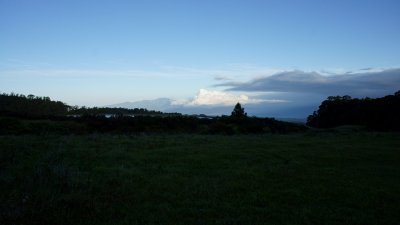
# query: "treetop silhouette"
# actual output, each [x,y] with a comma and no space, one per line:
[238,111]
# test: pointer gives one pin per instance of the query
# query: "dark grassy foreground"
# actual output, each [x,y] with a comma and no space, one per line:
[309,178]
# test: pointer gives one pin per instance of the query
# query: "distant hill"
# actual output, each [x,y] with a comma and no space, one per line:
[293,120]
[159,104]
[166,105]
[290,114]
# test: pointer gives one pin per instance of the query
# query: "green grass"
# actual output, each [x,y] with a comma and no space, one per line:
[310,178]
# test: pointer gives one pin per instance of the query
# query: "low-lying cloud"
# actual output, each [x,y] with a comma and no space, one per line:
[206,97]
[211,97]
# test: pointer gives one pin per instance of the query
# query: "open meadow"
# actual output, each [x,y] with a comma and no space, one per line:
[315,177]
[134,112]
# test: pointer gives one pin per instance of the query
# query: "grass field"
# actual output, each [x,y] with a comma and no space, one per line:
[308,178]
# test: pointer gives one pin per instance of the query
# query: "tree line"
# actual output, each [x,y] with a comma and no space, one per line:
[21,114]
[32,106]
[375,113]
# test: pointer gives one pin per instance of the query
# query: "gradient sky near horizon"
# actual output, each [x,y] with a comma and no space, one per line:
[100,52]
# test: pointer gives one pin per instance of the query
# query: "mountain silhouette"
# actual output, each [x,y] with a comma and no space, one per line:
[159,104]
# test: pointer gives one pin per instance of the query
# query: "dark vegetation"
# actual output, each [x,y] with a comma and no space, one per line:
[21,114]
[381,114]
[43,107]
[31,106]
[26,115]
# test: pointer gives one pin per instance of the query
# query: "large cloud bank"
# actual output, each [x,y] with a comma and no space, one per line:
[355,84]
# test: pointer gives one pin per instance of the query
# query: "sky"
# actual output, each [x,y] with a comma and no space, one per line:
[277,57]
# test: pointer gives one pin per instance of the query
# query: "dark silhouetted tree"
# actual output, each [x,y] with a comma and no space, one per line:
[238,111]
[376,113]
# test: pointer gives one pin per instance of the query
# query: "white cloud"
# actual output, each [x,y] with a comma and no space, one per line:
[211,97]
[206,97]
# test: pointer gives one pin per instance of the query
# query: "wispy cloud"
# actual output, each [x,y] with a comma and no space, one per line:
[222,78]
[226,72]
[223,73]
[83,73]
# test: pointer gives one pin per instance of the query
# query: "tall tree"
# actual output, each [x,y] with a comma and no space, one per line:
[238,111]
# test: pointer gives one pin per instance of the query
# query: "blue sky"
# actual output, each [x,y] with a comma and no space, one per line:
[109,51]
